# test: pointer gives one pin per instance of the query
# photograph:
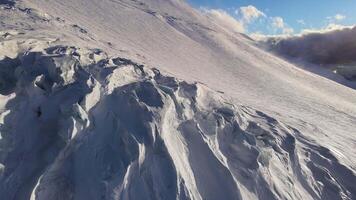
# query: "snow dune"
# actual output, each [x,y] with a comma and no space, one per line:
[97,127]
[153,100]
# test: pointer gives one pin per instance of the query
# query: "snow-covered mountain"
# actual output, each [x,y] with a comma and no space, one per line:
[133,99]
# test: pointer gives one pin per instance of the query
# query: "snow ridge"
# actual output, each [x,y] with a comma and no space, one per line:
[78,124]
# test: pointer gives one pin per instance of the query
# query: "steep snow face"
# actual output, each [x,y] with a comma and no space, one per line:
[171,36]
[80,125]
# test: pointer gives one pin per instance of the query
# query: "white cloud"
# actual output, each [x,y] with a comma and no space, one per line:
[300,21]
[336,18]
[223,19]
[288,30]
[245,18]
[339,17]
[249,13]
[329,28]
[278,23]
[324,30]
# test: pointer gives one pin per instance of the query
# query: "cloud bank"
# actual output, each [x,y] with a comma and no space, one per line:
[336,46]
[333,47]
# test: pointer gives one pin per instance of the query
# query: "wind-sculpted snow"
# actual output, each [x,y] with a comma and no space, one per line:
[76,124]
[93,106]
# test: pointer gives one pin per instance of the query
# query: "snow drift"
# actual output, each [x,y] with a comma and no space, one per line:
[108,128]
[185,109]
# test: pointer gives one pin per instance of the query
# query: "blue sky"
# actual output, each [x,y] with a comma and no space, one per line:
[296,15]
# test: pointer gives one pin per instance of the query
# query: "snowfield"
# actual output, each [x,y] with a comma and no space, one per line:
[130,99]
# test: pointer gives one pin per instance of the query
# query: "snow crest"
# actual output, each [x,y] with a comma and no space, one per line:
[77,124]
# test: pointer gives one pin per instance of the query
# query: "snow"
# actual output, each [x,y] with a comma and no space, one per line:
[154,100]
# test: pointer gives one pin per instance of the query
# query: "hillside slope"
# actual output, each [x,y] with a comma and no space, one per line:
[153,99]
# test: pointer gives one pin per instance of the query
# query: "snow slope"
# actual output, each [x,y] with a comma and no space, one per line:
[119,99]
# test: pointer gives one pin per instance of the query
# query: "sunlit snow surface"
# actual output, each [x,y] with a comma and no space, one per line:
[153,100]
